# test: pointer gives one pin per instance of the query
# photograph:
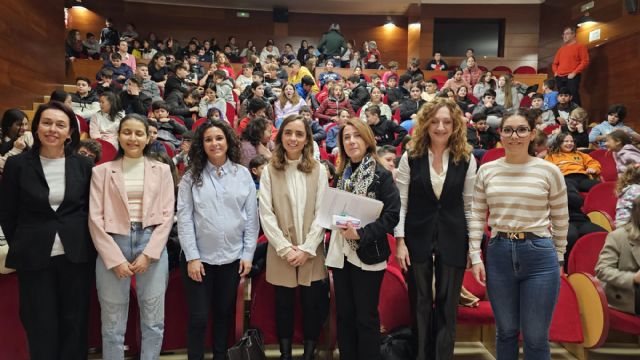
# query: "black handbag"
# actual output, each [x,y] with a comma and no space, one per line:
[250,347]
[397,345]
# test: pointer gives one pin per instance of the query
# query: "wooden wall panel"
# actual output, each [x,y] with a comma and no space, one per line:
[183,22]
[31,51]
[521,31]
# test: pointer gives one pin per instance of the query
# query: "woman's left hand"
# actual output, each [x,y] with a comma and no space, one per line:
[140,264]
[299,259]
[350,232]
[245,267]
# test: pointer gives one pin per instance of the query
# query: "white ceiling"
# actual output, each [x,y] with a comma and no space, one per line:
[360,7]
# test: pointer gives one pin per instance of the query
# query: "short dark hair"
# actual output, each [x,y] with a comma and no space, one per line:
[404,78]
[433,81]
[386,149]
[256,162]
[354,79]
[59,95]
[305,108]
[307,80]
[619,110]
[330,167]
[69,147]
[254,131]
[220,74]
[10,117]
[159,104]
[489,92]
[116,56]
[550,83]
[153,123]
[373,110]
[479,117]
[255,105]
[564,91]
[83,78]
[92,145]
[106,72]
[537,96]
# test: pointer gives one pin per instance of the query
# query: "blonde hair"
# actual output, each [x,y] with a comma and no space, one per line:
[295,98]
[458,146]
[365,133]
[508,91]
[580,114]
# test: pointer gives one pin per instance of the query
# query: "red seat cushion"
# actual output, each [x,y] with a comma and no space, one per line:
[14,338]
[480,315]
[394,301]
[621,321]
[473,286]
[565,324]
[601,197]
[609,172]
[584,254]
[492,154]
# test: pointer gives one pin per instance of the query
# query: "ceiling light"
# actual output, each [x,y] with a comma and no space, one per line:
[586,20]
[389,22]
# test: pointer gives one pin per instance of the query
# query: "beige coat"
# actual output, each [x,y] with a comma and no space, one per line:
[617,265]
[279,224]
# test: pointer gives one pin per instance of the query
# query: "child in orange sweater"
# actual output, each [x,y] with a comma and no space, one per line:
[577,167]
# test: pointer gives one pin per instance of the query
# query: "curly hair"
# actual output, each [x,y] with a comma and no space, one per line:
[555,147]
[254,131]
[630,176]
[197,155]
[457,143]
[279,158]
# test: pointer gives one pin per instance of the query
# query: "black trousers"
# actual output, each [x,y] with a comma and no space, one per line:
[315,306]
[357,297]
[582,182]
[572,84]
[54,309]
[434,328]
[217,291]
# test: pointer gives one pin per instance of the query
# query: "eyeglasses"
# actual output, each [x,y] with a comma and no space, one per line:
[520,131]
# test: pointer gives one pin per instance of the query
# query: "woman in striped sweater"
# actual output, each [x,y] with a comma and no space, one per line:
[524,195]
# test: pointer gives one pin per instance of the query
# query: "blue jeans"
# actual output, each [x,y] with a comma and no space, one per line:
[114,298]
[523,282]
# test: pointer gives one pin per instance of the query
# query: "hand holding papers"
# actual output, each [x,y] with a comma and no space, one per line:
[345,204]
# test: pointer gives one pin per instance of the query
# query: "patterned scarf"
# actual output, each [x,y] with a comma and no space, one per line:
[358,182]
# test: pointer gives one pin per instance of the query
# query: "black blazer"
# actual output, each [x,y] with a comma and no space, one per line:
[373,246]
[430,221]
[28,221]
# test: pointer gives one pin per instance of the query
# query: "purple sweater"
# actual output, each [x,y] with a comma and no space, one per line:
[628,155]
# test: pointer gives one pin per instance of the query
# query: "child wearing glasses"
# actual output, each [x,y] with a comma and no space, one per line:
[524,195]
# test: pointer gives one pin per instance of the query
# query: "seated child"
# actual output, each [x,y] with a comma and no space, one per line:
[386,132]
[627,190]
[91,149]
[576,166]
[332,134]
[155,146]
[618,269]
[169,129]
[624,152]
[256,165]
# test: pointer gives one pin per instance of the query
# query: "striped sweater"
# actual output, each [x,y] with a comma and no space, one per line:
[519,197]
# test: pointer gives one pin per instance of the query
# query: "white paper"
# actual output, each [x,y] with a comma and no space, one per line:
[340,202]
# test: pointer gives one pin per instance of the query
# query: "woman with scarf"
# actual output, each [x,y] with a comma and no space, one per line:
[358,257]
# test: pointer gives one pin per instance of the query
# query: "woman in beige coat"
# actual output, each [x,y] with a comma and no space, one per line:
[618,266]
[291,187]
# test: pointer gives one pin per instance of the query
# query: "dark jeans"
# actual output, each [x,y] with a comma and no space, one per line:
[523,282]
[216,292]
[434,326]
[572,84]
[357,297]
[54,309]
[582,182]
[315,306]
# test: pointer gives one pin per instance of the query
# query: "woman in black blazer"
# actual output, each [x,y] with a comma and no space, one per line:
[435,181]
[43,212]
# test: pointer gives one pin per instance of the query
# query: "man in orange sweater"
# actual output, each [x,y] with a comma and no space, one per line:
[570,60]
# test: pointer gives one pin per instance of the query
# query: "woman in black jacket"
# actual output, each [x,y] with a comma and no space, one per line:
[43,212]
[435,181]
[358,257]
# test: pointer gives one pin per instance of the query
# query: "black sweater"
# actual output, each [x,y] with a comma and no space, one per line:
[385,132]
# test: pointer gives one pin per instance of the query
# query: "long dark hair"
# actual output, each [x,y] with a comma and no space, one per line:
[198,157]
[141,119]
[557,143]
[10,117]
[115,104]
[70,146]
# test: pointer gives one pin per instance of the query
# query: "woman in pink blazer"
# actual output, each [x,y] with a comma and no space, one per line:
[130,215]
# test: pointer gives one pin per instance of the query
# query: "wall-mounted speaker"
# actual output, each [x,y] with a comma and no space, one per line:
[280,14]
[631,6]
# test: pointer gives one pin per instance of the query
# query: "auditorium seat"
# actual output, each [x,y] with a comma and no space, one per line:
[109,152]
[609,172]
[582,260]
[396,116]
[549,129]
[394,306]
[14,339]
[565,324]
[525,70]
[492,154]
[502,68]
[168,148]
[601,197]
[480,315]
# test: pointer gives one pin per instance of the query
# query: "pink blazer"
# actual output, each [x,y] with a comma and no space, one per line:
[109,212]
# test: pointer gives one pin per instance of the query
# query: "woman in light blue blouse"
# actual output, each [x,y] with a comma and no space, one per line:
[218,229]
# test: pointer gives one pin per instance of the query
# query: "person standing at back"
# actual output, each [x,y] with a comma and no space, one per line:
[569,63]
[333,45]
